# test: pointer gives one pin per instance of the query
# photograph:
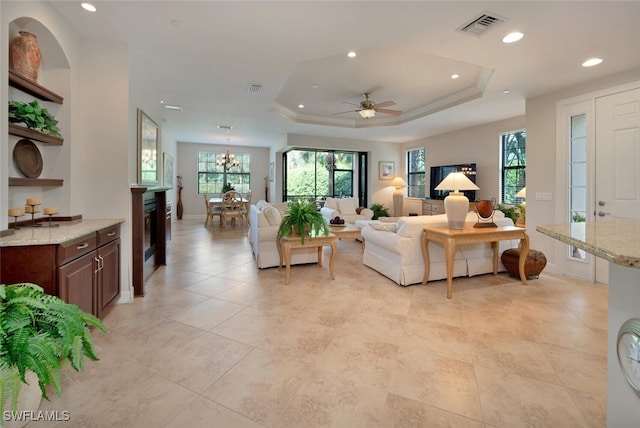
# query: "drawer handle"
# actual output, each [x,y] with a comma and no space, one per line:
[82,246]
[111,234]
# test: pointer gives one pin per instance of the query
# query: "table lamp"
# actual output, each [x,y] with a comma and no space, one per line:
[456,205]
[398,195]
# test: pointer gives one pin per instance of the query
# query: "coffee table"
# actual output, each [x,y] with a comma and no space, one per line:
[287,243]
[346,230]
[470,235]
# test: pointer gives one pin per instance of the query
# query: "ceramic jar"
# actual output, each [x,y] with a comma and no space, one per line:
[485,207]
[25,55]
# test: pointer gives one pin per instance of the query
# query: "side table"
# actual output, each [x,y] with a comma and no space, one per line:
[287,243]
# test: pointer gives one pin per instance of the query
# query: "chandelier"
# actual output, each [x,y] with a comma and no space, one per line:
[228,160]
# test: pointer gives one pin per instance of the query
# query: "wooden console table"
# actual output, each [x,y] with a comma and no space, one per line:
[470,235]
[287,243]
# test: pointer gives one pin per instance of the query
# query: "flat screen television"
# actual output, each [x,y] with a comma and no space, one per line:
[438,173]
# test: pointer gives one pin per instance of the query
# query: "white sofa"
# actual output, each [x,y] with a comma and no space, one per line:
[264,220]
[345,208]
[397,253]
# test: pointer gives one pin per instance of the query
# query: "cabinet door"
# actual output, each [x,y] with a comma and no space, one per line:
[108,275]
[77,282]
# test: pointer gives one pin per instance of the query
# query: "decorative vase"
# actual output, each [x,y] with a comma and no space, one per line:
[25,55]
[180,208]
[484,210]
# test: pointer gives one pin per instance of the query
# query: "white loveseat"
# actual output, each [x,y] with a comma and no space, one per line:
[345,208]
[397,253]
[264,220]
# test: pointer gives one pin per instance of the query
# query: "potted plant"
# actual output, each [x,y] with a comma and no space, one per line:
[379,210]
[34,117]
[511,211]
[39,333]
[302,218]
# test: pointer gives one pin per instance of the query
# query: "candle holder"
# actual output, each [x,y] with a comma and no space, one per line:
[50,214]
[15,221]
[33,212]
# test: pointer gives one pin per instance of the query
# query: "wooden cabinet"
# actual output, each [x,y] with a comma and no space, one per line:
[432,207]
[84,271]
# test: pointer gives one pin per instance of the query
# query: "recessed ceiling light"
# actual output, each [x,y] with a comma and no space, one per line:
[591,62]
[300,105]
[512,37]
[229,127]
[315,86]
[89,7]
[455,76]
[351,54]
[172,107]
[506,91]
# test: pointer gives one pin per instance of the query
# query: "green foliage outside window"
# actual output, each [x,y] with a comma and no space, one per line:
[213,177]
[514,162]
[318,174]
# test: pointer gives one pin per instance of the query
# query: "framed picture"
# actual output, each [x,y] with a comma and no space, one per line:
[387,170]
[147,149]
[168,170]
[271,172]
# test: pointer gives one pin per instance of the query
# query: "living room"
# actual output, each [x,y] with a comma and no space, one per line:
[105,81]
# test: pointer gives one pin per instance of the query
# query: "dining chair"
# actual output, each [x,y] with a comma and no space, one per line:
[211,211]
[232,207]
[246,203]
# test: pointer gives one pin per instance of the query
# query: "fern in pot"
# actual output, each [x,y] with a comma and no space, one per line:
[39,333]
[302,218]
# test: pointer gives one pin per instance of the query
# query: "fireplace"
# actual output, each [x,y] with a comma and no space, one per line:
[148,233]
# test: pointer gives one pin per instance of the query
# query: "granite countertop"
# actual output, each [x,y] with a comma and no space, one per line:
[617,241]
[65,232]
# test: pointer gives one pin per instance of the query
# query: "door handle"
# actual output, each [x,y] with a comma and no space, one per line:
[602,213]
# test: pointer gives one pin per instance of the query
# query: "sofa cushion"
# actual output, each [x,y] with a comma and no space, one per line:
[346,207]
[331,203]
[389,227]
[273,215]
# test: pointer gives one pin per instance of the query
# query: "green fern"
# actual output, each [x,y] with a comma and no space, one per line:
[38,332]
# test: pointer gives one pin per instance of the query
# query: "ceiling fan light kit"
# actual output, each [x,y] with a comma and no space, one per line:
[367,114]
[368,109]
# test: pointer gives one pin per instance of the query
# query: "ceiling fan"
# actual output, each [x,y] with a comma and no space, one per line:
[368,108]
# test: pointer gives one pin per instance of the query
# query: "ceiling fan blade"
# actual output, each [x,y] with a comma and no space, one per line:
[387,111]
[343,112]
[351,104]
[386,104]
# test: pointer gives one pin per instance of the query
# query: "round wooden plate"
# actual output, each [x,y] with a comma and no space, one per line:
[28,158]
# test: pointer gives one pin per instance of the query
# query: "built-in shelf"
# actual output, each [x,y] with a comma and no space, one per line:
[43,182]
[21,131]
[33,88]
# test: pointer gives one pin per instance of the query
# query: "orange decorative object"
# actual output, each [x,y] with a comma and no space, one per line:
[25,55]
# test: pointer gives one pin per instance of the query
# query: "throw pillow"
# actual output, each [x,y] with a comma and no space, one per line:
[387,227]
[331,203]
[261,204]
[346,207]
[273,216]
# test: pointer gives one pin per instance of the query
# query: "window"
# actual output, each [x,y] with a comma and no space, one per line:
[212,177]
[316,174]
[514,162]
[578,176]
[416,173]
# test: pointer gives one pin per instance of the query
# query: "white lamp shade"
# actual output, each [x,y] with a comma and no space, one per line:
[522,193]
[456,181]
[367,114]
[456,205]
[398,183]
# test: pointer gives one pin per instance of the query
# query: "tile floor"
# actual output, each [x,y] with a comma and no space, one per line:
[219,343]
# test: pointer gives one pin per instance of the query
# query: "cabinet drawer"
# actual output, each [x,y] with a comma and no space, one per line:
[108,234]
[76,248]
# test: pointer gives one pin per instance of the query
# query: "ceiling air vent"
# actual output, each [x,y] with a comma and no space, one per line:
[477,26]
[254,88]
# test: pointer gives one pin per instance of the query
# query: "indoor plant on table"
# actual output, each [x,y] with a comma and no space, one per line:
[302,218]
[39,333]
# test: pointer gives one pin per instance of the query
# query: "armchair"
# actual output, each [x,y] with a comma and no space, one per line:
[345,208]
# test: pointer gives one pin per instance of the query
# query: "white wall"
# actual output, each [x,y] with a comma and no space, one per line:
[187,168]
[478,144]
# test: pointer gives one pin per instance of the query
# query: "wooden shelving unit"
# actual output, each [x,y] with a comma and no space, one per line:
[33,88]
[21,131]
[43,182]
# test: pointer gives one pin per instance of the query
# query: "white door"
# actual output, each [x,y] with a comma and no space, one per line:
[617,162]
